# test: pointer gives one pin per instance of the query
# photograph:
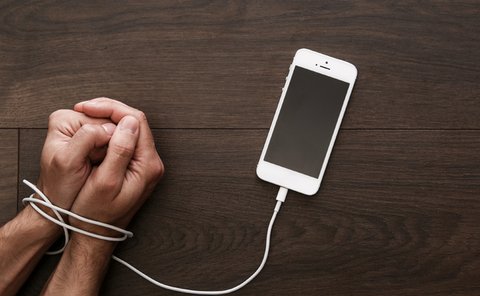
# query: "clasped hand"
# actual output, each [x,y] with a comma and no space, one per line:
[99,161]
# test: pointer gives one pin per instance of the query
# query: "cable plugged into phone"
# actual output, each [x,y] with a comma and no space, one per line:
[281,195]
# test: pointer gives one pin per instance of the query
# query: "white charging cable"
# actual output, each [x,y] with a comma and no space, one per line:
[282,194]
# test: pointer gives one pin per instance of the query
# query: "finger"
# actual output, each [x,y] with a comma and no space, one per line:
[86,139]
[115,111]
[69,121]
[79,106]
[98,154]
[108,108]
[120,151]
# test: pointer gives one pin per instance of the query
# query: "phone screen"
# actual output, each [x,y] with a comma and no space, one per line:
[306,122]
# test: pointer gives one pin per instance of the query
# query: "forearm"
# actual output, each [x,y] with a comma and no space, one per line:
[82,268]
[23,241]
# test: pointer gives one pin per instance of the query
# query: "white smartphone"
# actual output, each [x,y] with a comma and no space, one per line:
[307,121]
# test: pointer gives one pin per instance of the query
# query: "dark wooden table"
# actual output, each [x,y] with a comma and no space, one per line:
[398,212]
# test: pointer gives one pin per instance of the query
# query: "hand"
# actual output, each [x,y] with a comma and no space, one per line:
[117,188]
[73,142]
[113,192]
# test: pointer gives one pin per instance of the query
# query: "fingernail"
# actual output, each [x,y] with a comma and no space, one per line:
[81,103]
[78,106]
[109,128]
[91,102]
[129,123]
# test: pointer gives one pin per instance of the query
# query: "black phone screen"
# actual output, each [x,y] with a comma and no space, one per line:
[306,122]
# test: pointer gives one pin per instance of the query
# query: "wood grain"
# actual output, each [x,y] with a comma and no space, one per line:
[217,64]
[397,214]
[398,211]
[8,174]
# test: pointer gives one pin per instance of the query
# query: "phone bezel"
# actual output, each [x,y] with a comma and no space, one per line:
[285,177]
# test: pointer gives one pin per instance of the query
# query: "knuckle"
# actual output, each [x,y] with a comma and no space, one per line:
[106,186]
[123,151]
[157,169]
[87,133]
[88,129]
[61,162]
[141,116]
[91,129]
[57,113]
[57,116]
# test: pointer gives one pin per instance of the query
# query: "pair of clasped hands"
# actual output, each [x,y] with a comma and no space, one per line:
[99,161]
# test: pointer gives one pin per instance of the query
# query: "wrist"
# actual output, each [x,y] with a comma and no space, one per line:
[98,230]
[81,268]
[46,210]
[90,245]
[88,254]
[39,227]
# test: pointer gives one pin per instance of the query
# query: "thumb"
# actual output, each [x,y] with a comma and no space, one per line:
[121,149]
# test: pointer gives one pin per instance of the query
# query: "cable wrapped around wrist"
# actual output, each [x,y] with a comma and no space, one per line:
[61,222]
